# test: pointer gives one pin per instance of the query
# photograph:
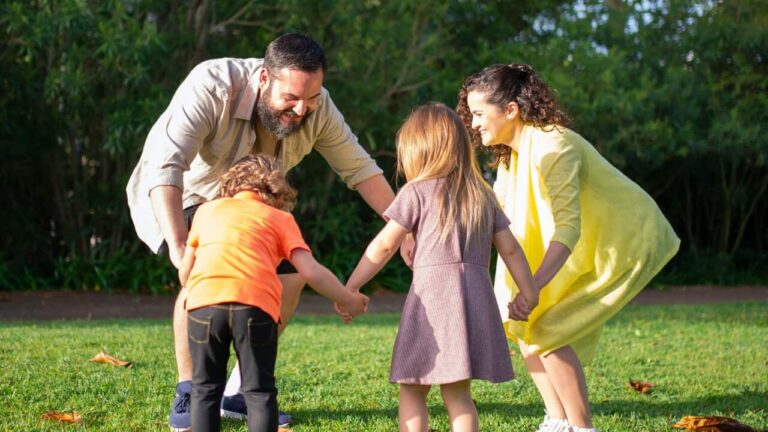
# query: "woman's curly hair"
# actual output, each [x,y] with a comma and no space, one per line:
[262,174]
[517,83]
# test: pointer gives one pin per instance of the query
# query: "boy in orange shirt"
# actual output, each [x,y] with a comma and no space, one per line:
[233,248]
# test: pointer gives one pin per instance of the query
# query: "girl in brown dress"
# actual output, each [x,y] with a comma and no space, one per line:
[450,330]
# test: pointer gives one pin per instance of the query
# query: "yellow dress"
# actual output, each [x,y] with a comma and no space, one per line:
[558,187]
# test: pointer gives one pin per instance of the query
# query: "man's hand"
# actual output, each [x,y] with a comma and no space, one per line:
[407,248]
[166,204]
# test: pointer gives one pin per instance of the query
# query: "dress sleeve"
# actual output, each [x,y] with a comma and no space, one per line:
[559,163]
[405,208]
[500,220]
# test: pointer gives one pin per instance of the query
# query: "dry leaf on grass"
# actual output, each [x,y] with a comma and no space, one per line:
[63,417]
[283,430]
[712,424]
[641,386]
[103,357]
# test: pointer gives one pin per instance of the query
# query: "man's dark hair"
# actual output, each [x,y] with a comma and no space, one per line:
[294,51]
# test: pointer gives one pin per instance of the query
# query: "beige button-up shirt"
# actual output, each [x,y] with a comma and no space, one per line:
[207,127]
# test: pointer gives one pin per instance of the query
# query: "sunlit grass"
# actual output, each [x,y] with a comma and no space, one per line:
[703,360]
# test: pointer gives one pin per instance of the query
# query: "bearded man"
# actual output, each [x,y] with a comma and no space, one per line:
[226,109]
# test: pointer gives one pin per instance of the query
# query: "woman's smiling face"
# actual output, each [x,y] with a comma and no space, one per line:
[494,125]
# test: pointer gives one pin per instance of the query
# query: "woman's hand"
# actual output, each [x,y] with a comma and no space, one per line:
[519,309]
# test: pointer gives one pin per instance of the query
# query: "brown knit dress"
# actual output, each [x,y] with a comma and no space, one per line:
[450,329]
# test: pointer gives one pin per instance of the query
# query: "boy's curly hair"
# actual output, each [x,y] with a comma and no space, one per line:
[262,174]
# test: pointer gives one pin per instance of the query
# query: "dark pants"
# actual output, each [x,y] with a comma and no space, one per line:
[211,330]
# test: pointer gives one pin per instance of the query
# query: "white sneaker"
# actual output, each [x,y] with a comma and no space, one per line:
[581,429]
[551,424]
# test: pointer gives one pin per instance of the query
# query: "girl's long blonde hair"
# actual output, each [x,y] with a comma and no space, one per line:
[434,143]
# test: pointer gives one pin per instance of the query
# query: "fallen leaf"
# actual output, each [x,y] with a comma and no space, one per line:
[641,386]
[712,424]
[283,430]
[63,417]
[103,357]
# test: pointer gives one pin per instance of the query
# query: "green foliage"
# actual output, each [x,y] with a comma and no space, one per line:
[673,92]
[704,360]
[84,82]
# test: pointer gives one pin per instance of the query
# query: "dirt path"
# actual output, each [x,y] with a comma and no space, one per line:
[57,305]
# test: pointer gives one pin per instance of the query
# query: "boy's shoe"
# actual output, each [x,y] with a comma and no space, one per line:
[179,420]
[580,429]
[234,407]
[553,425]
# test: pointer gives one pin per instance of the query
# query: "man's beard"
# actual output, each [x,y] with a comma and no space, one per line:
[270,118]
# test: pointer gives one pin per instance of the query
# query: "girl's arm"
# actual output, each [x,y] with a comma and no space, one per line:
[378,253]
[326,283]
[186,265]
[514,258]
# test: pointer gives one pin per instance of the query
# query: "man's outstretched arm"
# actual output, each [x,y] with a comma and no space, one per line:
[376,192]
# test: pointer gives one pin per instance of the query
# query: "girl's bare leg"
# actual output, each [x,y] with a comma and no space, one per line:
[461,409]
[412,414]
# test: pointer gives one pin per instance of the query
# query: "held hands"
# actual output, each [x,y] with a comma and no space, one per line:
[357,304]
[520,308]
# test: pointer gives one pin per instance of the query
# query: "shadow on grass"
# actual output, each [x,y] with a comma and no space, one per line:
[731,405]
[728,404]
[751,313]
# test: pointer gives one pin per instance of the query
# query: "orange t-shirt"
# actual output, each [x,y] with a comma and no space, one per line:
[238,244]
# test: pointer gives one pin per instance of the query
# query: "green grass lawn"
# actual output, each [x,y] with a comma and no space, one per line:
[704,360]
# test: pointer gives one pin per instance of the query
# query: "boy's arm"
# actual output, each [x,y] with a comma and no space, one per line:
[326,283]
[186,265]
[514,258]
[378,253]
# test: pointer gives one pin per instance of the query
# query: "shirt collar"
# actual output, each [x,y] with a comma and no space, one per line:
[248,195]
[247,103]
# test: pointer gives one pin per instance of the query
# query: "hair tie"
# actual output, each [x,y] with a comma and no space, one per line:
[521,68]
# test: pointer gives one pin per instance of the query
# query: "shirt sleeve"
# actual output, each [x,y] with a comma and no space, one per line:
[193,238]
[339,146]
[405,208]
[292,238]
[560,164]
[177,136]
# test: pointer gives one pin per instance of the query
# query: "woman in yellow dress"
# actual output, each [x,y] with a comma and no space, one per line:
[593,237]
